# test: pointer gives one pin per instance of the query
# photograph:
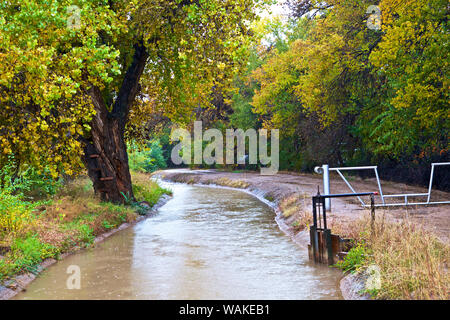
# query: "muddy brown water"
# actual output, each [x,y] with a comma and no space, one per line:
[205,243]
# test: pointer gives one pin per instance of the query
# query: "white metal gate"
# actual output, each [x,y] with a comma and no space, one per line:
[326,186]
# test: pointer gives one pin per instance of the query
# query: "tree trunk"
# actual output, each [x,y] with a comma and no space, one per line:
[106,157]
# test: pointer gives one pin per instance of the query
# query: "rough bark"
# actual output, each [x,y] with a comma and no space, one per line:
[105,150]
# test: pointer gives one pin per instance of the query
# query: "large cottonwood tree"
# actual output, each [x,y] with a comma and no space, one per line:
[73,74]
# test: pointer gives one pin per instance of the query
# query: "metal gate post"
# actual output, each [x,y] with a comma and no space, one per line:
[313,232]
[372,214]
[327,234]
[431,183]
[314,242]
[326,185]
[321,238]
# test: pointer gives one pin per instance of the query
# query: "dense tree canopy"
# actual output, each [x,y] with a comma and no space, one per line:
[73,71]
[413,56]
[394,80]
[347,94]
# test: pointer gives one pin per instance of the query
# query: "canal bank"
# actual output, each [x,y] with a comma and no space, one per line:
[20,282]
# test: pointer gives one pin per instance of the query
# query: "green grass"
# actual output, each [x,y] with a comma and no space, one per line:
[145,189]
[24,255]
[143,193]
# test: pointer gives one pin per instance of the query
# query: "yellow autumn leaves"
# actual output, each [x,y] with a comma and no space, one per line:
[48,69]
[394,81]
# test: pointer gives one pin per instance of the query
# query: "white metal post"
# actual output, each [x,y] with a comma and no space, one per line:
[431,183]
[379,184]
[326,185]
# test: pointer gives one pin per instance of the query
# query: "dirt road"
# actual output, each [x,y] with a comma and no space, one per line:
[276,188]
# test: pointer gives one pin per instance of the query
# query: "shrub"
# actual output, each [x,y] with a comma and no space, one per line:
[28,183]
[31,250]
[145,189]
[149,193]
[148,160]
[15,214]
[86,234]
[355,258]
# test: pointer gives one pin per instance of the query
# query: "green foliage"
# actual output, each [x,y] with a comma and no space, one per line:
[28,183]
[107,225]
[43,72]
[342,93]
[16,211]
[149,159]
[25,254]
[31,250]
[243,116]
[53,71]
[413,57]
[355,259]
[86,235]
[15,214]
[17,190]
[151,195]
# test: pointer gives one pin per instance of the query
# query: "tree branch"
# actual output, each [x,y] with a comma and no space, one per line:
[130,84]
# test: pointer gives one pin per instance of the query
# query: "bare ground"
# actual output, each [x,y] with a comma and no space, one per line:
[276,188]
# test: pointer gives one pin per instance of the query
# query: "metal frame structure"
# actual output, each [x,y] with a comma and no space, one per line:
[320,236]
[326,186]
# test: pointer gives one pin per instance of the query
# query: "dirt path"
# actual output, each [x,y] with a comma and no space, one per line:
[435,218]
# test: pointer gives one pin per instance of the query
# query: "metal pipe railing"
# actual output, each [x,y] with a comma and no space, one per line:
[326,185]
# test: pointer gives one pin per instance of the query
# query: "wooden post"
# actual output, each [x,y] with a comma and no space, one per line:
[329,244]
